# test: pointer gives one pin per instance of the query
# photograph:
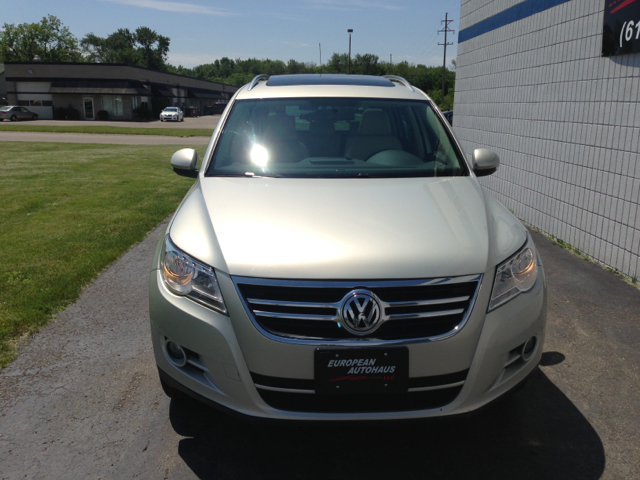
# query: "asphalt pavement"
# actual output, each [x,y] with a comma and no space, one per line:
[207,121]
[82,400]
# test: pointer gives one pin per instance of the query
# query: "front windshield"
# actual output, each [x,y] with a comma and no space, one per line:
[334,138]
[171,109]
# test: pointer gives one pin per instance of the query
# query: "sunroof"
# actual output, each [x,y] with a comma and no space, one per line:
[328,79]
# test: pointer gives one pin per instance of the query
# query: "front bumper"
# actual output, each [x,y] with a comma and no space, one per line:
[228,357]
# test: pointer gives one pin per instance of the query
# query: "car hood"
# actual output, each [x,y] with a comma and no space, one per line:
[345,228]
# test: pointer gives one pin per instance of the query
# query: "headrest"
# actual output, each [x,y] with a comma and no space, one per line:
[374,122]
[281,128]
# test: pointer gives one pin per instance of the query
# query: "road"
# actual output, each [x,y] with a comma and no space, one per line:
[100,138]
[208,121]
[82,400]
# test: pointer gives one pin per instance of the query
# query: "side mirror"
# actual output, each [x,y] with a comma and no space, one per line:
[184,162]
[485,162]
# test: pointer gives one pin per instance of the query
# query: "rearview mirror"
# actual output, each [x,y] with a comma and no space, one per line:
[485,162]
[184,162]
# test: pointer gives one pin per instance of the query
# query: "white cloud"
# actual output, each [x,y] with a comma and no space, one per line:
[280,16]
[173,7]
[345,4]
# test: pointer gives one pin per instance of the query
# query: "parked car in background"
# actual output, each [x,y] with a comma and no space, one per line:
[337,259]
[174,114]
[448,114]
[16,113]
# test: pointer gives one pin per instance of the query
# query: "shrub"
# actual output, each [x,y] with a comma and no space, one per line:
[62,113]
[102,115]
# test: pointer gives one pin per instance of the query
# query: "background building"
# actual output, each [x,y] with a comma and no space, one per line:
[533,85]
[118,89]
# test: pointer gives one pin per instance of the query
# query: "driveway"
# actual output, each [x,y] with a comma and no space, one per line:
[82,400]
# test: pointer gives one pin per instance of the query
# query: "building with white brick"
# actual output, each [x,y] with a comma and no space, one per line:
[533,85]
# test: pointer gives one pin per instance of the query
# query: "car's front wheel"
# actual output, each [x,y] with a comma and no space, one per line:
[35,117]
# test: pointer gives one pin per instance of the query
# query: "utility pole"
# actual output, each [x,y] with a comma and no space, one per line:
[320,47]
[391,62]
[445,30]
[350,31]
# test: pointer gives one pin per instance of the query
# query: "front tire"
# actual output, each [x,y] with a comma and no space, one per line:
[35,117]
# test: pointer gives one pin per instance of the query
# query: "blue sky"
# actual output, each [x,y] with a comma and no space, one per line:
[202,31]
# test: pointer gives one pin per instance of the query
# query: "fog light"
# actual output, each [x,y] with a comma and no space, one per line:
[529,348]
[176,354]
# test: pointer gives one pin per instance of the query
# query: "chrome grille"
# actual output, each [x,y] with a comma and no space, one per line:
[310,310]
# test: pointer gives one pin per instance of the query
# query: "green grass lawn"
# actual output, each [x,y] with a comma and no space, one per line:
[170,132]
[66,212]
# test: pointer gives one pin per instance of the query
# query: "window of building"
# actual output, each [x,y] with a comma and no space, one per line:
[135,102]
[112,104]
[35,103]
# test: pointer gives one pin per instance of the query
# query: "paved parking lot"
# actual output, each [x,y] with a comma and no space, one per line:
[82,400]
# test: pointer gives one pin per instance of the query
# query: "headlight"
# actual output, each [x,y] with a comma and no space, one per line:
[186,276]
[513,277]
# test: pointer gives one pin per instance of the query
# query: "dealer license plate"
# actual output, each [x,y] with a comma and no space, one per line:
[361,370]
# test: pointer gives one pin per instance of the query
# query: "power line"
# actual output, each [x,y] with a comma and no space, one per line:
[426,53]
[416,46]
[445,30]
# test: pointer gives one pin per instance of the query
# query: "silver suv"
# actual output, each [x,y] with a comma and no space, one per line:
[337,259]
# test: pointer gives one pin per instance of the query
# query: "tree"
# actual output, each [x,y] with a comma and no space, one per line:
[94,48]
[143,47]
[366,64]
[49,39]
[153,48]
[226,67]
[294,67]
[402,69]
[431,79]
[436,96]
[205,71]
[180,70]
[338,63]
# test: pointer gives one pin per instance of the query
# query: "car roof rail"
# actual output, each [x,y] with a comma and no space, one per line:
[396,78]
[256,79]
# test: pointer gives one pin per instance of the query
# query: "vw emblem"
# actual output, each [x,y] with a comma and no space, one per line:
[360,312]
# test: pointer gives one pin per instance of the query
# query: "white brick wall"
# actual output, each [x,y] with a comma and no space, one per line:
[564,121]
